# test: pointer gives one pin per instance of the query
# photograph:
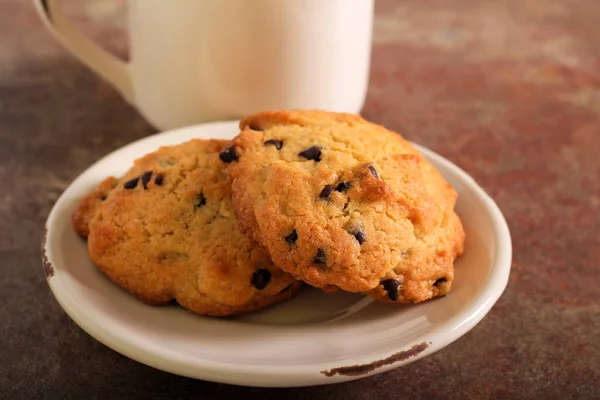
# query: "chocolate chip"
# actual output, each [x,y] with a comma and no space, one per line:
[292,237]
[260,279]
[441,280]
[158,179]
[391,287]
[132,183]
[312,153]
[200,200]
[373,171]
[102,198]
[228,155]
[146,178]
[320,257]
[327,190]
[275,142]
[360,236]
[343,186]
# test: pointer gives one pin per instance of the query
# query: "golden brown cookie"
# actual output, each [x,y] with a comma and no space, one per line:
[343,203]
[166,230]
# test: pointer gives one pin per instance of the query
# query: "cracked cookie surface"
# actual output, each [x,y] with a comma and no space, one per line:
[342,203]
[166,231]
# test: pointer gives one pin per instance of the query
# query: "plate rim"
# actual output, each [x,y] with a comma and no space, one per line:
[290,375]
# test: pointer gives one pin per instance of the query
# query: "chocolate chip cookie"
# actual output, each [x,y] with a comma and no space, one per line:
[166,231]
[342,203]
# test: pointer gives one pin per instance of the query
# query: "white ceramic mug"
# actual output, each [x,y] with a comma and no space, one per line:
[200,60]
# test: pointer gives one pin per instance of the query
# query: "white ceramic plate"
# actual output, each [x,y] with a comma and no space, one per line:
[314,339]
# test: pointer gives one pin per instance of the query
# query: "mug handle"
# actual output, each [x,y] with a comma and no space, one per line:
[97,59]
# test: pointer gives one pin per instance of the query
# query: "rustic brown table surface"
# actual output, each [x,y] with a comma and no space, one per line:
[508,90]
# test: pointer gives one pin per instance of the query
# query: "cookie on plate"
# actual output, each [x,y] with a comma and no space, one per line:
[343,203]
[166,231]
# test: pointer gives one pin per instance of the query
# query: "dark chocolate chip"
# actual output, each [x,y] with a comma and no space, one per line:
[146,178]
[200,200]
[327,190]
[275,142]
[260,279]
[158,179]
[228,155]
[373,171]
[360,236]
[343,186]
[320,257]
[292,237]
[441,280]
[132,183]
[312,153]
[391,287]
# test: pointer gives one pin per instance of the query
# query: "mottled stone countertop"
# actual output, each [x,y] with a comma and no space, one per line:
[508,90]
